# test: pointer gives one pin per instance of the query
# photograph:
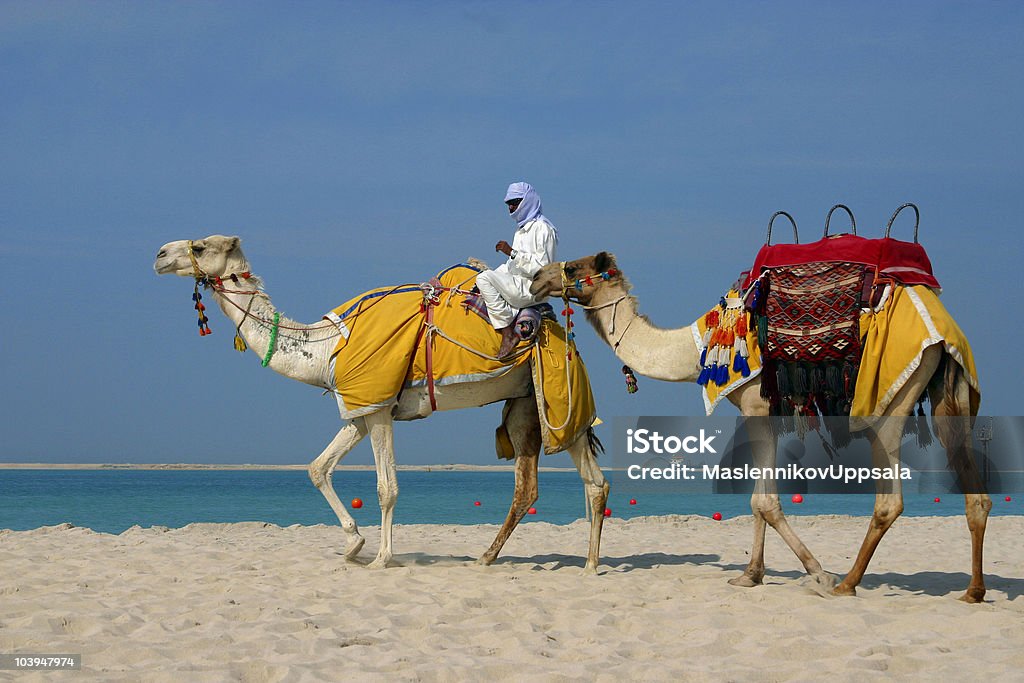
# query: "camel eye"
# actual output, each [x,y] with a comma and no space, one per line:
[570,271]
[197,250]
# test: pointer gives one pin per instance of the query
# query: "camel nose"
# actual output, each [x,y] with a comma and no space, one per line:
[161,253]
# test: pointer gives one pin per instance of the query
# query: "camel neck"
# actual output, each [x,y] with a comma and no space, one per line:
[300,351]
[669,355]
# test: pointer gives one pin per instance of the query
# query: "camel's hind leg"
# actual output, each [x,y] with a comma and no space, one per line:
[885,452]
[978,506]
[381,428]
[888,501]
[320,471]
[524,430]
[597,496]
[953,423]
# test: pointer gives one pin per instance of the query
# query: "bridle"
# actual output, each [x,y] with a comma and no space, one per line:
[588,281]
[216,283]
[593,281]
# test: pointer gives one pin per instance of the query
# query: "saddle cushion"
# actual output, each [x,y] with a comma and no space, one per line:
[810,336]
[893,339]
[905,262]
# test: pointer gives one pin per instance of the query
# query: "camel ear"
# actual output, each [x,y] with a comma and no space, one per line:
[234,243]
[603,261]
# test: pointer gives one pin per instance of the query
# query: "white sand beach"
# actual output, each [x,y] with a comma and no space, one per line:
[256,602]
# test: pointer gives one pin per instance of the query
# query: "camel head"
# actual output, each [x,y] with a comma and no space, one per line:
[549,280]
[216,256]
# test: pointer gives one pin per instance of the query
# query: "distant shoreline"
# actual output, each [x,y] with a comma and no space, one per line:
[248,466]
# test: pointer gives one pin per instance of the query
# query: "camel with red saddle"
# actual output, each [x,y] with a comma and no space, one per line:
[675,355]
[304,352]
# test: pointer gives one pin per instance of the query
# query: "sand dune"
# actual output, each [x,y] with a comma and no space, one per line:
[256,602]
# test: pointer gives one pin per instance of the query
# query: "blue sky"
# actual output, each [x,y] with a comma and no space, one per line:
[355,145]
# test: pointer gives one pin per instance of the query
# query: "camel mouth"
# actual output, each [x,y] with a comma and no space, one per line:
[167,267]
[538,287]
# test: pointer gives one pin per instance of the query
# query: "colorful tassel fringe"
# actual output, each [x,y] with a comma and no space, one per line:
[724,345]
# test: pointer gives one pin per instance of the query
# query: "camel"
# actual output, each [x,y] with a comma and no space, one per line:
[302,352]
[672,355]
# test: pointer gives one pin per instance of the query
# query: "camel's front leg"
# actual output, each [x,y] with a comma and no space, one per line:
[597,496]
[524,430]
[766,508]
[381,428]
[885,452]
[320,471]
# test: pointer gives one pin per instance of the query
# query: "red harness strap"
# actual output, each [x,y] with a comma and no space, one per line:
[429,305]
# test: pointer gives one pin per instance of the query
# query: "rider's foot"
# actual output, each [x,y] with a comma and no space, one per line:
[509,341]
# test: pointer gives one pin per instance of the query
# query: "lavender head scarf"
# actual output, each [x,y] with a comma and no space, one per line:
[529,209]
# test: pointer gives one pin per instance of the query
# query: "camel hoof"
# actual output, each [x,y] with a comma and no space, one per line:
[354,547]
[745,581]
[973,596]
[590,570]
[379,563]
[824,579]
[844,590]
[484,561]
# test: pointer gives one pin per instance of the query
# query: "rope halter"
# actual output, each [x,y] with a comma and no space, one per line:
[588,281]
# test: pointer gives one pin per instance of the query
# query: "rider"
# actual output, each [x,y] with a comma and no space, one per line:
[506,289]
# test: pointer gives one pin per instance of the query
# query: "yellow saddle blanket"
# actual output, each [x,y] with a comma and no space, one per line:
[894,339]
[383,349]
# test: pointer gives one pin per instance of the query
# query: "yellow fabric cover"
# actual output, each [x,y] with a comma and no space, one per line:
[381,356]
[894,340]
[564,396]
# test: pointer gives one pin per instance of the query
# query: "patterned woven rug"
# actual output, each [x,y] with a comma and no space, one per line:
[809,333]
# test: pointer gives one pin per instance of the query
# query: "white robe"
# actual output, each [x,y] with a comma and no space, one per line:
[506,289]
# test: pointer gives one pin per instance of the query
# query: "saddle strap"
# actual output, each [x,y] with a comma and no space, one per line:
[430,354]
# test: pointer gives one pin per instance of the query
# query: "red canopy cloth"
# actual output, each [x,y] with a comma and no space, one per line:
[905,262]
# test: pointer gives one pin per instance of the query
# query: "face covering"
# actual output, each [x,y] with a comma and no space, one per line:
[528,209]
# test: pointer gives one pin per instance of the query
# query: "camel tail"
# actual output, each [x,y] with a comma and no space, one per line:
[596,447]
[952,421]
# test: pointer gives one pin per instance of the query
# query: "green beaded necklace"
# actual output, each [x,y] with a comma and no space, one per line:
[273,339]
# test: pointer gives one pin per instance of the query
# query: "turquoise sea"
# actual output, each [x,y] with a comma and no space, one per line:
[111,501]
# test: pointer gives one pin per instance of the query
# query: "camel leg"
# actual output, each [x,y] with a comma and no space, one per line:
[764,502]
[597,496]
[951,409]
[320,471]
[888,506]
[885,452]
[524,430]
[381,429]
[978,506]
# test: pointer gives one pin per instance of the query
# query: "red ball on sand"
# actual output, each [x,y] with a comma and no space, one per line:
[797,498]
[717,516]
[937,499]
[477,503]
[531,511]
[607,512]
[357,503]
[632,501]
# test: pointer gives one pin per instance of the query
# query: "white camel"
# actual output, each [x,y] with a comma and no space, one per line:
[302,353]
[672,355]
